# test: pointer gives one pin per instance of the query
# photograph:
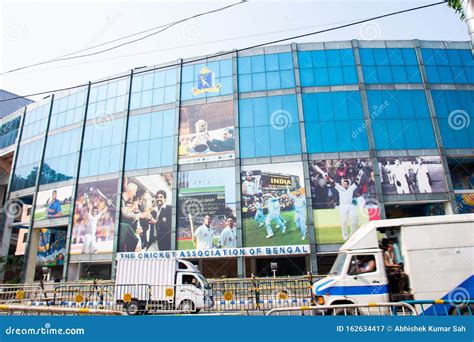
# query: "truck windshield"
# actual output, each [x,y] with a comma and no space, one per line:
[204,281]
[338,264]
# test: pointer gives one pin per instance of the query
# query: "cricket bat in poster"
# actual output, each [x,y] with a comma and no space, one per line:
[192,229]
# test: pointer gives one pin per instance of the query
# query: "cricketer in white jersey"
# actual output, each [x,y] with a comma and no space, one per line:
[203,234]
[228,237]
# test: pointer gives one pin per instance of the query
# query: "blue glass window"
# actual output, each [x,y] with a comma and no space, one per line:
[150,140]
[334,122]
[448,66]
[400,120]
[101,148]
[26,169]
[61,156]
[153,88]
[389,65]
[454,110]
[68,110]
[327,67]
[266,72]
[35,121]
[108,98]
[269,126]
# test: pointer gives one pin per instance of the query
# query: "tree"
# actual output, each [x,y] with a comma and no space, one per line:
[457,6]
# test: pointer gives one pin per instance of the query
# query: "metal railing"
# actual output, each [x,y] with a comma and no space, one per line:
[13,309]
[443,307]
[369,309]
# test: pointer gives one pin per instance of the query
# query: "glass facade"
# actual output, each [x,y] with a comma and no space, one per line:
[400,120]
[269,126]
[327,67]
[332,121]
[266,72]
[390,65]
[238,140]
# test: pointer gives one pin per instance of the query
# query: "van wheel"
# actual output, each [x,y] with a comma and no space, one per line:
[132,308]
[187,305]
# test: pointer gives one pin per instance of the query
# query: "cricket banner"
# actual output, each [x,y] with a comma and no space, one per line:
[206,209]
[94,217]
[273,205]
[54,203]
[220,253]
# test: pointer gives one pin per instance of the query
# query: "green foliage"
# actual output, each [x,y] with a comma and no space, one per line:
[456,5]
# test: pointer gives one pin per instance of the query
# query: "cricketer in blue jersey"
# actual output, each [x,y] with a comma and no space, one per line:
[259,215]
[54,207]
[273,207]
[300,211]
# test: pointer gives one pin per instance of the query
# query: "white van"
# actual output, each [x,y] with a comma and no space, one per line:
[437,256]
[144,283]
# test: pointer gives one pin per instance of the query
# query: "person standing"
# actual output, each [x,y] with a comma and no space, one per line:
[259,215]
[422,177]
[204,234]
[228,236]
[300,211]
[89,243]
[274,210]
[160,235]
[54,207]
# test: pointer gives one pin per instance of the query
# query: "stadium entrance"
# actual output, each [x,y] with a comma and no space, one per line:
[414,210]
[283,266]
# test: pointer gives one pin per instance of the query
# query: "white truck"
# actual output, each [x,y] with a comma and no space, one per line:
[146,283]
[437,255]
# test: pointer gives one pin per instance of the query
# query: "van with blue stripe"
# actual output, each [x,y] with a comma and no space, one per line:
[435,255]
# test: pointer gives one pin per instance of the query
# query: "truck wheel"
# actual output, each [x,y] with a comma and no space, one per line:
[187,305]
[132,308]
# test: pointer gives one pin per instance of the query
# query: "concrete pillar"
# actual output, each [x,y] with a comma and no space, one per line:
[32,253]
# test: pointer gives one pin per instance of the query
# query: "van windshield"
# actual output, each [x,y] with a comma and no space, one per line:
[338,264]
[204,281]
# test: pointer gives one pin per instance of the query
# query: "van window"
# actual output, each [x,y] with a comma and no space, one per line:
[182,266]
[190,279]
[362,264]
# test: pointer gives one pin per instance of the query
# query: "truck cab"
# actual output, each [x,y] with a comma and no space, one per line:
[356,277]
[430,256]
[146,283]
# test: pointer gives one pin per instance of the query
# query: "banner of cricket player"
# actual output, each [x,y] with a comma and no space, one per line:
[344,195]
[273,204]
[94,217]
[206,133]
[51,247]
[54,203]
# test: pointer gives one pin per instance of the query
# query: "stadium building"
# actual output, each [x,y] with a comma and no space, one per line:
[241,160]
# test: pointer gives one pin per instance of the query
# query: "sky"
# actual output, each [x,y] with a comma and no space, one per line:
[34,31]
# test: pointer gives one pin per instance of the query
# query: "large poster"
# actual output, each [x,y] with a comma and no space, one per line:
[94,217]
[51,247]
[343,196]
[464,203]
[53,203]
[274,205]
[412,175]
[206,209]
[146,213]
[206,133]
